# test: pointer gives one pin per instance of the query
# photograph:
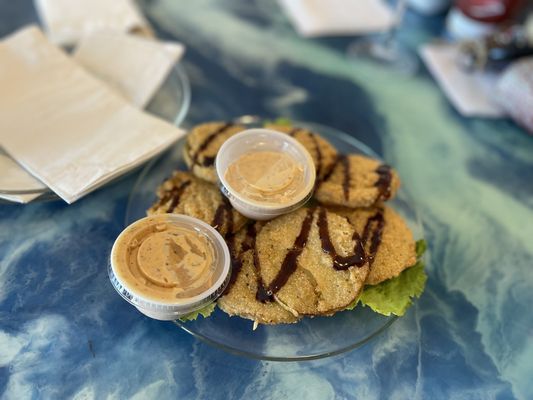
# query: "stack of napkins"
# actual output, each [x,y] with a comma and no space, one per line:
[67,128]
[15,179]
[339,17]
[472,93]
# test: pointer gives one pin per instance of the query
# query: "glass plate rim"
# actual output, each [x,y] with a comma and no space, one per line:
[244,353]
[311,357]
[48,195]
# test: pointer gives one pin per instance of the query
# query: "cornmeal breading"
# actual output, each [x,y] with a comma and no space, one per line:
[322,152]
[357,181]
[315,287]
[202,145]
[240,297]
[186,194]
[396,250]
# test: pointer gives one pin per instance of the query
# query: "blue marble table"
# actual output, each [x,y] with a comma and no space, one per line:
[64,333]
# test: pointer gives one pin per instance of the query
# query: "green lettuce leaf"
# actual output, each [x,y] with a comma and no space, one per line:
[421,247]
[204,312]
[353,304]
[279,121]
[394,296]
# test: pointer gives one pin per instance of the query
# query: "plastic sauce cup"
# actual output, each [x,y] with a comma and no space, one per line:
[169,310]
[254,140]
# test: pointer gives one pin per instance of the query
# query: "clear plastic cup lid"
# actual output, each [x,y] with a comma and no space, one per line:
[254,140]
[127,277]
[274,211]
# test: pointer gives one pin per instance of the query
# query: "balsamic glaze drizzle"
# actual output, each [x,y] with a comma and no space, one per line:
[207,161]
[316,146]
[236,258]
[383,184]
[289,263]
[340,263]
[345,162]
[370,240]
[223,216]
[375,236]
[293,132]
[318,155]
[175,195]
[346,178]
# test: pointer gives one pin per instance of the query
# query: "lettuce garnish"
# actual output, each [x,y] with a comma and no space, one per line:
[204,312]
[278,121]
[395,296]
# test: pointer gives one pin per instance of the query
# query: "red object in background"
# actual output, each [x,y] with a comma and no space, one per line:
[472,19]
[489,11]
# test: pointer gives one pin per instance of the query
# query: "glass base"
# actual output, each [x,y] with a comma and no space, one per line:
[385,50]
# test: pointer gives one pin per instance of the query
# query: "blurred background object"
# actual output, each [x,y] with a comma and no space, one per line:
[338,17]
[477,18]
[515,92]
[429,7]
[67,21]
[471,93]
[495,51]
[484,37]
[385,48]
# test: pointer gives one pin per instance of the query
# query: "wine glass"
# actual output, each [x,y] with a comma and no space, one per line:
[385,48]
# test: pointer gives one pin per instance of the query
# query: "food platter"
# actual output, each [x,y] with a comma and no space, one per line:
[171,103]
[311,338]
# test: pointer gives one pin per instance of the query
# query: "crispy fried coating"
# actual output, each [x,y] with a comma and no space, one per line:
[396,251]
[322,152]
[202,145]
[184,193]
[240,297]
[315,287]
[357,181]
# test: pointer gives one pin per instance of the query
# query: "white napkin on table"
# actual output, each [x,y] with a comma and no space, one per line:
[66,127]
[471,93]
[133,65]
[19,198]
[338,17]
[515,92]
[15,178]
[67,21]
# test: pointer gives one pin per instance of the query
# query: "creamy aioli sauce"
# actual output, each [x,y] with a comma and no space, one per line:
[266,176]
[165,262]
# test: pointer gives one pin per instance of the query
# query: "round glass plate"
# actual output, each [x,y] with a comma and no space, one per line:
[171,103]
[309,339]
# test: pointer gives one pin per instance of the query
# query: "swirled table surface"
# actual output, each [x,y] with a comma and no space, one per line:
[64,333]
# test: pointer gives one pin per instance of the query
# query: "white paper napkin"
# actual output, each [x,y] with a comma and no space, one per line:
[66,127]
[338,17]
[515,92]
[19,198]
[472,94]
[67,21]
[133,65]
[15,178]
